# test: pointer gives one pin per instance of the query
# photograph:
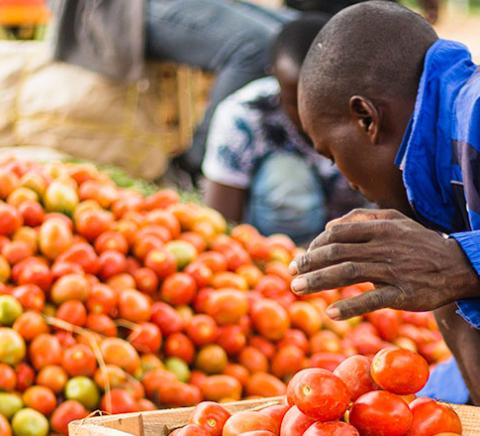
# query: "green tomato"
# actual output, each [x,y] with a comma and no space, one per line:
[83,390]
[12,346]
[179,368]
[29,422]
[9,404]
[183,252]
[10,310]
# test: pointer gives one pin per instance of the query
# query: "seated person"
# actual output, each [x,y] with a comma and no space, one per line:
[259,165]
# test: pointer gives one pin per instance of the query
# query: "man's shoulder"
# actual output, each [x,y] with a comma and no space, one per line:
[264,90]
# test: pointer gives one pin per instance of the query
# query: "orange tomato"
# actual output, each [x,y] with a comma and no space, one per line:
[253,359]
[146,280]
[211,359]
[92,223]
[227,306]
[73,312]
[305,317]
[287,361]
[179,345]
[79,360]
[270,319]
[8,378]
[10,219]
[218,387]
[53,377]
[202,330]
[161,199]
[30,324]
[213,260]
[263,384]
[232,339]
[40,398]
[134,306]
[161,262]
[146,338]
[5,429]
[116,351]
[238,371]
[227,279]
[45,350]
[101,324]
[101,299]
[251,273]
[179,288]
[248,421]
[111,240]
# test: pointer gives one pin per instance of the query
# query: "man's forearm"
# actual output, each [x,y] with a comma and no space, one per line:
[464,342]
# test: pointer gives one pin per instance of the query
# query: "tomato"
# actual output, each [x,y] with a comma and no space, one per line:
[364,337]
[271,286]
[179,288]
[380,413]
[270,319]
[202,330]
[232,339]
[161,199]
[200,273]
[219,387]
[118,401]
[9,181]
[331,429]
[73,312]
[101,299]
[253,359]
[387,322]
[399,371]
[319,394]
[111,263]
[354,371]
[116,351]
[146,338]
[32,271]
[72,287]
[82,254]
[40,398]
[31,297]
[134,306]
[53,377]
[25,376]
[10,219]
[101,324]
[213,260]
[277,413]
[79,360]
[8,378]
[263,345]
[243,422]
[54,238]
[144,245]
[166,318]
[295,423]
[121,282]
[146,280]
[431,418]
[5,429]
[211,359]
[66,412]
[227,306]
[92,223]
[287,361]
[83,390]
[144,405]
[296,338]
[179,345]
[238,371]
[16,251]
[325,341]
[30,324]
[327,361]
[236,257]
[111,240]
[211,416]
[29,422]
[161,262]
[265,385]
[45,350]
[165,219]
[227,279]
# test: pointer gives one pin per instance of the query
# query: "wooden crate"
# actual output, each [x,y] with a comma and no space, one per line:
[162,422]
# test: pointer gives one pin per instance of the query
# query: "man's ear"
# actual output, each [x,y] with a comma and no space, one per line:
[366,114]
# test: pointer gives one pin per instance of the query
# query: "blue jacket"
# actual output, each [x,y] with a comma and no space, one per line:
[440,160]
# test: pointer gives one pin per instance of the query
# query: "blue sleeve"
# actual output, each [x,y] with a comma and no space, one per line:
[469,309]
[446,384]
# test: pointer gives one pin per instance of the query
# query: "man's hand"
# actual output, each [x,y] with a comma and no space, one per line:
[413,268]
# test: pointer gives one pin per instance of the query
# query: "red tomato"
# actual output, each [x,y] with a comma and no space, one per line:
[146,338]
[161,199]
[16,251]
[179,345]
[101,324]
[232,339]
[431,418]
[227,306]
[265,385]
[276,413]
[8,378]
[32,271]
[10,219]
[242,422]
[201,273]
[270,319]
[25,376]
[331,429]
[40,398]
[111,240]
[387,322]
[73,312]
[381,413]
[296,338]
[202,330]
[65,413]
[92,223]
[82,254]
[111,263]
[162,262]
[134,306]
[45,350]
[101,299]
[79,360]
[287,361]
[326,360]
[60,269]
[295,423]
[179,288]
[319,394]
[211,416]
[213,260]
[399,371]
[118,401]
[31,297]
[167,318]
[263,345]
[354,371]
[146,280]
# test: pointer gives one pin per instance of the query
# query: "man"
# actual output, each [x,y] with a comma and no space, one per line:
[255,141]
[397,110]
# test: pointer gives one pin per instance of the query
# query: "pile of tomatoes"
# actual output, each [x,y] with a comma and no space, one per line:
[362,397]
[112,300]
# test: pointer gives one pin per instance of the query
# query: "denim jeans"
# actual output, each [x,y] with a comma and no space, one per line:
[286,196]
[230,38]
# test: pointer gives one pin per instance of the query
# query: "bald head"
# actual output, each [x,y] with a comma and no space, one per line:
[374,49]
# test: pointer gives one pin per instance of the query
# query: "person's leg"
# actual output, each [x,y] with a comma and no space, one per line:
[286,197]
[229,38]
